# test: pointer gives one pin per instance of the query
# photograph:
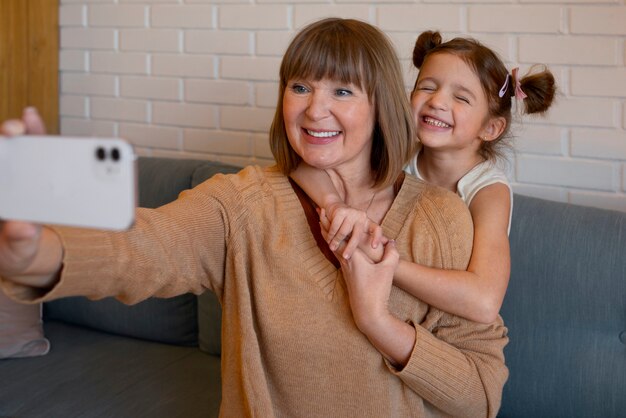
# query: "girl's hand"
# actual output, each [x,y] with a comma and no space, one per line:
[352,225]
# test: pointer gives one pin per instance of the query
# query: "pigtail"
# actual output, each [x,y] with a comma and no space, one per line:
[423,45]
[540,88]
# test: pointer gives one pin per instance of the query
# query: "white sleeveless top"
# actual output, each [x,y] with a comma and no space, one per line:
[482,175]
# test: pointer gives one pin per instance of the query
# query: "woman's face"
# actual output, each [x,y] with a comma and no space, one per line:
[329,123]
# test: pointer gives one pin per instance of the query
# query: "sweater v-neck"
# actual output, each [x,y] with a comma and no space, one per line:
[313,258]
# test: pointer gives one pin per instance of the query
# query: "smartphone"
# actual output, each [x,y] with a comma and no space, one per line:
[72,181]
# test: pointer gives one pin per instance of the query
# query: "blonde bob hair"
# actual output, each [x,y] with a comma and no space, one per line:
[353,52]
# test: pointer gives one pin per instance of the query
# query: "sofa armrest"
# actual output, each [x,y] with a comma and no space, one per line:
[565,309]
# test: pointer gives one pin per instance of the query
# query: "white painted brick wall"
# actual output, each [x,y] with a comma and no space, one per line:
[118,62]
[218,42]
[182,65]
[151,88]
[184,115]
[115,15]
[254,17]
[198,78]
[151,135]
[119,109]
[181,16]
[150,40]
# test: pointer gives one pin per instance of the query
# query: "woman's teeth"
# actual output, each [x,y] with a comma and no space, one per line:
[436,122]
[325,134]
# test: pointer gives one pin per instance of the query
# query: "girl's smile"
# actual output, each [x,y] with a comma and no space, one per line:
[435,122]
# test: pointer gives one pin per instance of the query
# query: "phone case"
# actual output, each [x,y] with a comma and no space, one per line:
[84,182]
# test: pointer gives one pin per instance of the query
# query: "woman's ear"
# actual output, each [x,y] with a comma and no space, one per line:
[493,129]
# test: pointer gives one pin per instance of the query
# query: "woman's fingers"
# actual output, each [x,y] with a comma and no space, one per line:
[13,127]
[33,122]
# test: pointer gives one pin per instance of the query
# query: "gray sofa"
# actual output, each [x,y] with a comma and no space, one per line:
[565,310]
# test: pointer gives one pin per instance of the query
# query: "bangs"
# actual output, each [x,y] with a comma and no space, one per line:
[329,54]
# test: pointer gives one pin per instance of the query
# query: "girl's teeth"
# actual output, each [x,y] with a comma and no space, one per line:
[322,134]
[436,123]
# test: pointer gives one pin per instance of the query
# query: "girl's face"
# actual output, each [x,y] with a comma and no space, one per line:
[450,106]
[329,123]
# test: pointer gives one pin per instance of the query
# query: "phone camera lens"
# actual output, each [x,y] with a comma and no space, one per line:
[101,154]
[115,154]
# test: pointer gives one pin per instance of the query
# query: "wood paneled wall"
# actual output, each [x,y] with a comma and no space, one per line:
[29,59]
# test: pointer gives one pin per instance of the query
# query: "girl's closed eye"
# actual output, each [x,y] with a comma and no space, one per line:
[426,87]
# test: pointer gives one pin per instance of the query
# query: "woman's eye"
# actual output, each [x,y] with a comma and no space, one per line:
[343,92]
[298,88]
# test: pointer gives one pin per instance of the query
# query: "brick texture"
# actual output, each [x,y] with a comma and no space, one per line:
[198,78]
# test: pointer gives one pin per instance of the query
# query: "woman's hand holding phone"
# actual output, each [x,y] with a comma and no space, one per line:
[29,253]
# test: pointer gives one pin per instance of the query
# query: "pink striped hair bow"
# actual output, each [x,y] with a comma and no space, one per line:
[518,92]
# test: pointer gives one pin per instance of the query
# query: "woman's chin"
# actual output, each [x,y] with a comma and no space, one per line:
[319,162]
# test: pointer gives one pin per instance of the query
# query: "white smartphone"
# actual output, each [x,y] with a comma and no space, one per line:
[83,182]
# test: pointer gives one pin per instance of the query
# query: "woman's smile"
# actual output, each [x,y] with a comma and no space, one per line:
[321,136]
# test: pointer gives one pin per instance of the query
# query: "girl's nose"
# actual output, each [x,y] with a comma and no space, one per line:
[438,100]
[318,106]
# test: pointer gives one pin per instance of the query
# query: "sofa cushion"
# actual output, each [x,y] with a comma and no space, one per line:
[94,374]
[21,330]
[162,179]
[172,321]
[209,324]
[565,310]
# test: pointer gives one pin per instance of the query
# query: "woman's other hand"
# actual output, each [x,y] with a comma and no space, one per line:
[369,286]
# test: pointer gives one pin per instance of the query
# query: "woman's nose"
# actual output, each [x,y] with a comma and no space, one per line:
[318,106]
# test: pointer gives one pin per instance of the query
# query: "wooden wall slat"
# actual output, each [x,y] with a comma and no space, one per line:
[29,50]
[13,57]
[43,47]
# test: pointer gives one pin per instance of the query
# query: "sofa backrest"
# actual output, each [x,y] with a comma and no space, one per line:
[173,320]
[566,311]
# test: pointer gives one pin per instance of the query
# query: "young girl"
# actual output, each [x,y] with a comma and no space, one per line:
[462,103]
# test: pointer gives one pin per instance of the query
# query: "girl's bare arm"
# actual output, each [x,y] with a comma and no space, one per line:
[477,293]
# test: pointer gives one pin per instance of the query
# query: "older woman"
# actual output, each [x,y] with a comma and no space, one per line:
[302,334]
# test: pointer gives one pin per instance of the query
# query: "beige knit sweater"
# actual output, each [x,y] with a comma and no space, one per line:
[290,345]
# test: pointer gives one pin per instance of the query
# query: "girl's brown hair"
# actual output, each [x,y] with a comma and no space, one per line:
[353,52]
[539,86]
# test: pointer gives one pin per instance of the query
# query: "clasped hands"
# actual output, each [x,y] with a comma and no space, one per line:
[368,261]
